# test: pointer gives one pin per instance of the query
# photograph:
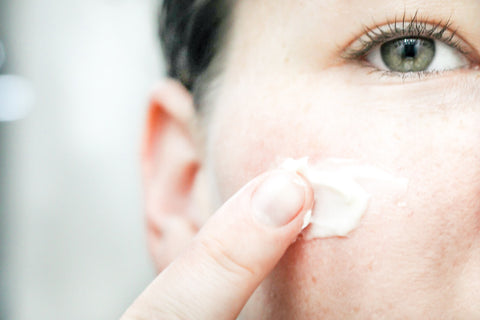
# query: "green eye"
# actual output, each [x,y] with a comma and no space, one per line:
[416,55]
[408,54]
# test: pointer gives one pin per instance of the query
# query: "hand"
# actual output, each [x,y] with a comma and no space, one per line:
[230,256]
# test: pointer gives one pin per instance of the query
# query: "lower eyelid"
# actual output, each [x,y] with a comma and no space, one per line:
[364,74]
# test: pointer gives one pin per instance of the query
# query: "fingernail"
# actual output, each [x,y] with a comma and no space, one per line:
[279,199]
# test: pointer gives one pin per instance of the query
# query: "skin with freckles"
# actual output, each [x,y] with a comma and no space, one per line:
[284,93]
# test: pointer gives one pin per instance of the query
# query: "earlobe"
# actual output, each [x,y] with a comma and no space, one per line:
[170,165]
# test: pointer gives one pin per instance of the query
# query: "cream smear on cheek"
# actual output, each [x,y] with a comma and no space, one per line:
[341,197]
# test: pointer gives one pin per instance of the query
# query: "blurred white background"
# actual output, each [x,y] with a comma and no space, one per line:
[71,215]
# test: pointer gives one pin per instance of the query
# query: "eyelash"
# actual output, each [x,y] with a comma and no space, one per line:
[414,27]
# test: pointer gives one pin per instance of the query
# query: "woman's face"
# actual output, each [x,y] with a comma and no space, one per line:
[288,91]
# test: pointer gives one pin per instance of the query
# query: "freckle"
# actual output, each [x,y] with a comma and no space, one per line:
[314,280]
[370,266]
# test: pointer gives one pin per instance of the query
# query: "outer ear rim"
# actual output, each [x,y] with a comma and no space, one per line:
[172,99]
[173,93]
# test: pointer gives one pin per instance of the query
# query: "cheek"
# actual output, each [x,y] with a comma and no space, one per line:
[432,144]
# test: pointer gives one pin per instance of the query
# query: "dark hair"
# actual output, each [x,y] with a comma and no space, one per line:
[190,34]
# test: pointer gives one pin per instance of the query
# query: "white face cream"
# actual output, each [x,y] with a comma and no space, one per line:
[340,196]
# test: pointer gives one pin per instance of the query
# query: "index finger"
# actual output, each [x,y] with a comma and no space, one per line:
[235,250]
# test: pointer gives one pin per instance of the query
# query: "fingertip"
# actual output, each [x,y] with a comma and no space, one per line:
[281,198]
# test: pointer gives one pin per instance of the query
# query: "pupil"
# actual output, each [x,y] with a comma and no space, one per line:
[410,48]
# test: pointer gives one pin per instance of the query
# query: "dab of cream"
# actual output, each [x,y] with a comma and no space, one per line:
[340,198]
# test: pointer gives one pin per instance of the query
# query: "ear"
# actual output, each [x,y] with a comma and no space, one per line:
[170,169]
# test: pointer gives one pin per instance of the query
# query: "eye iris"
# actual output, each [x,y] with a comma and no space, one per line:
[408,54]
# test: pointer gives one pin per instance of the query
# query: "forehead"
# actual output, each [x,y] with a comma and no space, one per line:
[338,9]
